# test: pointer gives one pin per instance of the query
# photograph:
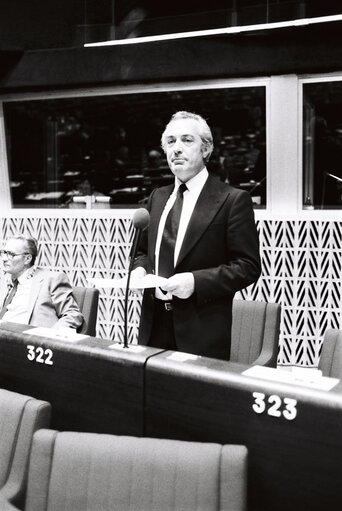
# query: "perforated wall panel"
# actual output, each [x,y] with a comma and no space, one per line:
[301,260]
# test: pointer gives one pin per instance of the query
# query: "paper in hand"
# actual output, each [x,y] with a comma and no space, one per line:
[148,281]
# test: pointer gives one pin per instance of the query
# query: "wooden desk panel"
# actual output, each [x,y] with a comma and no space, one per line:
[91,387]
[293,464]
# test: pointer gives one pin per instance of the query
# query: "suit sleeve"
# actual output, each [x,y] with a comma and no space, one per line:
[242,264]
[67,310]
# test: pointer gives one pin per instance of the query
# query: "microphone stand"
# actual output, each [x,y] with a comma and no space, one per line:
[141,220]
[130,268]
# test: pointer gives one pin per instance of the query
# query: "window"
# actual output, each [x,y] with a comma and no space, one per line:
[109,145]
[322,145]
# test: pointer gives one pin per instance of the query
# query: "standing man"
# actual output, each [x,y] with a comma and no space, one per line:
[31,295]
[202,237]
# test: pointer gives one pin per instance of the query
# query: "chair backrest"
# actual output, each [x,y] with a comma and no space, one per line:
[330,362]
[88,300]
[88,471]
[20,417]
[255,332]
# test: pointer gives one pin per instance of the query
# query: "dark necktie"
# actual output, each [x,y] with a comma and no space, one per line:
[9,297]
[167,246]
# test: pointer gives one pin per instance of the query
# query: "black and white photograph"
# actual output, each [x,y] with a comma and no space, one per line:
[170,255]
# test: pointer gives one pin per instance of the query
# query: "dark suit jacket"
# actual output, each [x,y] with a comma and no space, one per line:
[221,249]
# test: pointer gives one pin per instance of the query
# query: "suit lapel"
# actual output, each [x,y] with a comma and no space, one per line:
[208,203]
[37,280]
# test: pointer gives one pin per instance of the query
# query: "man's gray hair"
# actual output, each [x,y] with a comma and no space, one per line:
[31,244]
[205,131]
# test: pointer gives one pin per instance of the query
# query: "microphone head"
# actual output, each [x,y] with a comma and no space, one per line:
[141,218]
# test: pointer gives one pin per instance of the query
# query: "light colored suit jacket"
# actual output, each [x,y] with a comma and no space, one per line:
[51,301]
[221,249]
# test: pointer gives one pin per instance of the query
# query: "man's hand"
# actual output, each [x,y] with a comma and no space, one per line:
[181,285]
[137,273]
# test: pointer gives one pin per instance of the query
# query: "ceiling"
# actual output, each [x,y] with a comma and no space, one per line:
[46,24]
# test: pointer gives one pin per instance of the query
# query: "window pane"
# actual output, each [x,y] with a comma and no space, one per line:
[322,145]
[59,149]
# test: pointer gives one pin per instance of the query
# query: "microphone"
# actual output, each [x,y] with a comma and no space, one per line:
[141,220]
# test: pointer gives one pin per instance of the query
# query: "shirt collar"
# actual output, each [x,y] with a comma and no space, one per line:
[27,274]
[196,182]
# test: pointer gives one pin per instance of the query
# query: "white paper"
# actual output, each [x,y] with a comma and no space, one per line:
[181,357]
[269,373]
[148,281]
[62,334]
[307,373]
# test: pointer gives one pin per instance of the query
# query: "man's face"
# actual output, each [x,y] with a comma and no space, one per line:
[183,148]
[20,262]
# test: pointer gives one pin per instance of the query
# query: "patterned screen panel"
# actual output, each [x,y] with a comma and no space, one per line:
[301,260]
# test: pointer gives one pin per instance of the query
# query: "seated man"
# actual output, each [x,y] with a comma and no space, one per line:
[32,295]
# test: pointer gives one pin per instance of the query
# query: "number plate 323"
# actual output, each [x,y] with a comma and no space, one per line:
[275,406]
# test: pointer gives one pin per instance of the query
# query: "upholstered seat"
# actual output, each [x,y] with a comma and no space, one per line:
[20,417]
[87,299]
[255,332]
[330,362]
[91,472]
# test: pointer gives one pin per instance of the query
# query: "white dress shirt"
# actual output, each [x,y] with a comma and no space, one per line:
[190,196]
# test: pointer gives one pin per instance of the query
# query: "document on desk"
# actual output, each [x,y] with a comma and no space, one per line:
[310,379]
[148,281]
[62,334]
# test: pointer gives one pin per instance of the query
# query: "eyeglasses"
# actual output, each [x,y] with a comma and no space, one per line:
[10,255]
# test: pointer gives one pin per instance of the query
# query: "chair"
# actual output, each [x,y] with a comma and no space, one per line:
[87,299]
[330,362]
[255,332]
[88,471]
[20,417]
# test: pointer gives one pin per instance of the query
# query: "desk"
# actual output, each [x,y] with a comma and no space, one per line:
[90,386]
[295,451]
[293,464]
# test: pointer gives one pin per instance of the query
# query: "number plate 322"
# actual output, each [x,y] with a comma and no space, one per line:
[39,355]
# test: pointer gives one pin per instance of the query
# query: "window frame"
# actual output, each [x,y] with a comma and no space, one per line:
[6,207]
[302,80]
